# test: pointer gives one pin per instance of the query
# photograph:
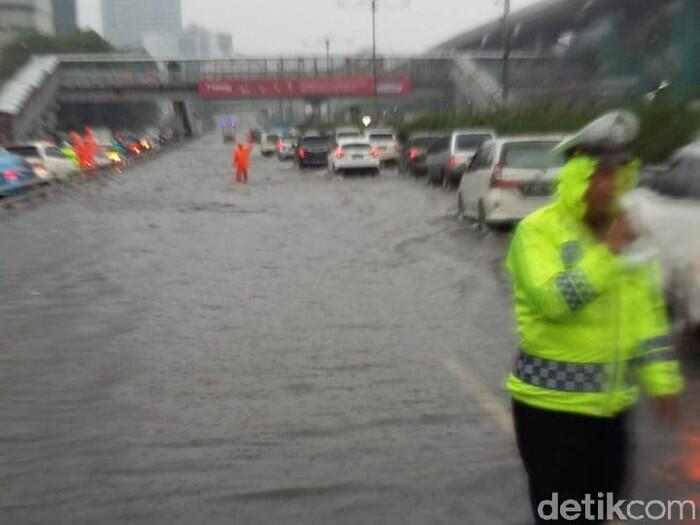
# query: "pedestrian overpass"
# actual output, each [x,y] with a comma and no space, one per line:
[412,84]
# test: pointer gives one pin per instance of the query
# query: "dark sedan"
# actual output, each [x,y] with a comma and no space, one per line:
[412,156]
[313,151]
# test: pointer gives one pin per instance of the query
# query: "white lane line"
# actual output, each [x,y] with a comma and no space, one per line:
[476,390]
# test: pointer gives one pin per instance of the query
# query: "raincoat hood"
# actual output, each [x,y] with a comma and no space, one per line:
[574,179]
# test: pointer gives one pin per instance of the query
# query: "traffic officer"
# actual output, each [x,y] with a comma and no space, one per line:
[593,328]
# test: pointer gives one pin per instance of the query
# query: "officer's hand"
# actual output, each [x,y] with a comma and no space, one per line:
[620,234]
[666,410]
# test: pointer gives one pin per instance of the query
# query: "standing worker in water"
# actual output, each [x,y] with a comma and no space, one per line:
[593,331]
[241,160]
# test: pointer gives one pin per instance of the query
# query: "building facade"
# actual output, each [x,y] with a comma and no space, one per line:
[65,17]
[127,22]
[193,43]
[24,15]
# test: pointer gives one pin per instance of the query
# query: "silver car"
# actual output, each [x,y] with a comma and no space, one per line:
[509,178]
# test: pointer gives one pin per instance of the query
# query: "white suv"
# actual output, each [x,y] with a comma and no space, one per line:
[353,155]
[509,178]
[670,219]
[384,144]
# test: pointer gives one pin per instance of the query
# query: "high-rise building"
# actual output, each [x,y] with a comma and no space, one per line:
[126,22]
[198,42]
[23,15]
[65,17]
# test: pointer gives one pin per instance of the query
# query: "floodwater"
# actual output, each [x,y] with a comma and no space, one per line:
[304,349]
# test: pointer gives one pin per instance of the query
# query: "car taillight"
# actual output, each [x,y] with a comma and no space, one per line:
[302,153]
[339,153]
[279,146]
[10,175]
[375,151]
[453,161]
[498,182]
[413,153]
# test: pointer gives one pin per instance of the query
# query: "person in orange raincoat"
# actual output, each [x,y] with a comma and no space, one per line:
[90,147]
[80,150]
[241,161]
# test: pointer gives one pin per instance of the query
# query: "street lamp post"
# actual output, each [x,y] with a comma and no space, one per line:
[505,73]
[374,58]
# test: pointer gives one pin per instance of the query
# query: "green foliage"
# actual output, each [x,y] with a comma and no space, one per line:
[18,51]
[664,126]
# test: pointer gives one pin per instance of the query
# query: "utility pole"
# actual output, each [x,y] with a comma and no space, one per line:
[505,73]
[328,55]
[374,59]
[374,6]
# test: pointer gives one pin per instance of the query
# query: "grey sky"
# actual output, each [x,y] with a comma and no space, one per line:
[298,26]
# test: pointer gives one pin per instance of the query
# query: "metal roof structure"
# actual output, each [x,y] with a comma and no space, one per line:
[551,13]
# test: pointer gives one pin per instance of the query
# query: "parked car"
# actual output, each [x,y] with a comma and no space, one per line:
[509,178]
[48,160]
[286,147]
[673,212]
[412,154]
[255,134]
[228,133]
[268,144]
[353,154]
[449,157]
[313,151]
[384,143]
[16,174]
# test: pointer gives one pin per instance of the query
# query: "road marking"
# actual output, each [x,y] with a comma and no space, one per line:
[476,390]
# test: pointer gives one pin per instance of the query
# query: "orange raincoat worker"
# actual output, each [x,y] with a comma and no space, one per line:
[91,147]
[241,161]
[80,150]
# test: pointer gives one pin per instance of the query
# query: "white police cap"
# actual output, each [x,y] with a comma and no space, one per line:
[612,131]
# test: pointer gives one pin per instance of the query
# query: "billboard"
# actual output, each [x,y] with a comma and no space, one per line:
[299,87]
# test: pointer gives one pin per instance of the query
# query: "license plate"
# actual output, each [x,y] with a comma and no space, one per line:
[536,189]
[356,157]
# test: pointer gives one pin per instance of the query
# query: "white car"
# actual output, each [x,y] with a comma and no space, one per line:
[668,221]
[509,178]
[384,142]
[353,155]
[268,144]
[48,161]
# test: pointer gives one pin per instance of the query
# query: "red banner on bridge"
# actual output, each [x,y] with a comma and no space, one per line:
[332,86]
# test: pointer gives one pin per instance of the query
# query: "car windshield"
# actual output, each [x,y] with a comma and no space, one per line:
[24,151]
[381,136]
[317,142]
[422,142]
[348,134]
[272,139]
[355,145]
[531,155]
[471,142]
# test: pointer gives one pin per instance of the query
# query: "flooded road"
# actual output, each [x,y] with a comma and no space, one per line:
[304,349]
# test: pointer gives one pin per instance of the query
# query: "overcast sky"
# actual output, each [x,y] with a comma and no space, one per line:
[299,26]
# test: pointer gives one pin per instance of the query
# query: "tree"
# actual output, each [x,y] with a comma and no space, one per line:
[25,44]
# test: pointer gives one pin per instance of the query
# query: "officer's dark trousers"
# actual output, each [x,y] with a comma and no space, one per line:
[570,455]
